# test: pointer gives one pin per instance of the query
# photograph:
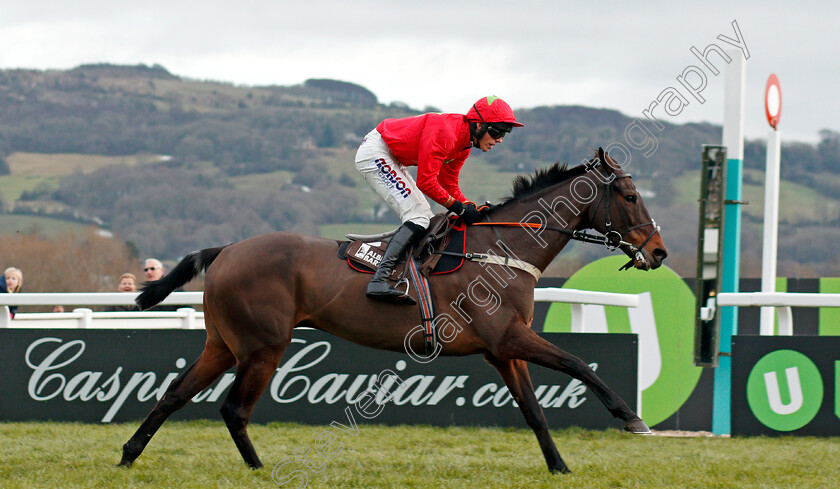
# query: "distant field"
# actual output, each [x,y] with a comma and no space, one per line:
[65,164]
[12,223]
[12,186]
[262,180]
[200,454]
[29,170]
[796,202]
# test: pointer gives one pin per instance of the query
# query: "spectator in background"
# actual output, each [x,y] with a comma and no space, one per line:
[128,283]
[154,270]
[58,308]
[12,280]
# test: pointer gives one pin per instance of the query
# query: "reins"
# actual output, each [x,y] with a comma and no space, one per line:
[575,234]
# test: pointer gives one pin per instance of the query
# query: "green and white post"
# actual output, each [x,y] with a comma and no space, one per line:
[733,139]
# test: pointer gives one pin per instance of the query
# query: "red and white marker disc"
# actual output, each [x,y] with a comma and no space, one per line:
[773,100]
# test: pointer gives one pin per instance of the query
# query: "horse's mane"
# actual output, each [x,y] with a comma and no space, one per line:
[525,185]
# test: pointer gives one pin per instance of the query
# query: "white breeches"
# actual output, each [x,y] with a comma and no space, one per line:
[391,181]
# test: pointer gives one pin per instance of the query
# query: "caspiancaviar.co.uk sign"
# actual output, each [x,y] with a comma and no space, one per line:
[116,375]
[786,385]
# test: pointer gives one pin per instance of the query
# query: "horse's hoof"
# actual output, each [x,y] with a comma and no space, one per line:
[637,427]
[561,470]
[124,463]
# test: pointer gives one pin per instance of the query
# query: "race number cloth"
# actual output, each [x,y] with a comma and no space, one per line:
[364,257]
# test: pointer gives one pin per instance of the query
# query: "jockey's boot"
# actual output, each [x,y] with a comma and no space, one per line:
[379,287]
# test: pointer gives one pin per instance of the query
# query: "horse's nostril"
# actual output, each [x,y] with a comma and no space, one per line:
[660,254]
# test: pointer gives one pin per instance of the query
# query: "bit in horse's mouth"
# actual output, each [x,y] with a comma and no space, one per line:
[641,262]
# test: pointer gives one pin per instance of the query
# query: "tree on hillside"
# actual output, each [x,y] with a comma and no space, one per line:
[340,90]
[829,148]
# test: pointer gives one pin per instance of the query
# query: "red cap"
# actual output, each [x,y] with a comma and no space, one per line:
[492,109]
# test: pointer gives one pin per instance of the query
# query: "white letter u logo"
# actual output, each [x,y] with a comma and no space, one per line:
[794,389]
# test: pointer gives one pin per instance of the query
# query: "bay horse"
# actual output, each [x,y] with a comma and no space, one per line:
[259,289]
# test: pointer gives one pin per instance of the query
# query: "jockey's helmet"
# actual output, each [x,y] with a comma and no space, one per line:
[491,112]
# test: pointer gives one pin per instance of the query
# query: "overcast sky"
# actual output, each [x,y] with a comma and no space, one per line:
[446,54]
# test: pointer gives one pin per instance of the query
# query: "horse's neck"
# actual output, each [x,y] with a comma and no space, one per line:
[539,247]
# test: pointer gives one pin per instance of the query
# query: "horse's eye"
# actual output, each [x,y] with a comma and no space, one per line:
[630,198]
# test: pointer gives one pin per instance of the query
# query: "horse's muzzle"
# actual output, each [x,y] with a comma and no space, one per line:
[642,260]
[659,255]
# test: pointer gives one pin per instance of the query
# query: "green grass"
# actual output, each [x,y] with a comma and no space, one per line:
[200,454]
[262,180]
[480,181]
[41,164]
[13,223]
[796,202]
[12,186]
[28,170]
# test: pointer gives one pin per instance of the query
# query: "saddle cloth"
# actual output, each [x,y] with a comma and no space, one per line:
[364,257]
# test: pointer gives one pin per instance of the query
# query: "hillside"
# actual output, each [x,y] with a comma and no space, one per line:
[171,164]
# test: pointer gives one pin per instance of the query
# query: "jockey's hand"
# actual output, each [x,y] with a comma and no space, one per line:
[468,212]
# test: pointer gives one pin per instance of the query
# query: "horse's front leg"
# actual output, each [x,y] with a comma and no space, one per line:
[520,342]
[518,381]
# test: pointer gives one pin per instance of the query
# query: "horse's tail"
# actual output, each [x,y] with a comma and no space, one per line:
[194,263]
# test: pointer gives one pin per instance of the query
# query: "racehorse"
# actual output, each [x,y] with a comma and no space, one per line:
[257,291]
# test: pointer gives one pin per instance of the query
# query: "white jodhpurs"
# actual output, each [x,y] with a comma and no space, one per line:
[391,181]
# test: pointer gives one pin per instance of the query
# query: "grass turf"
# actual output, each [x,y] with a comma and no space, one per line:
[201,454]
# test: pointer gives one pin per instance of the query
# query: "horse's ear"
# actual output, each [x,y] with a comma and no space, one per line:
[601,155]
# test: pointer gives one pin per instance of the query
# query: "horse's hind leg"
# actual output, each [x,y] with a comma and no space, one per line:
[252,377]
[213,361]
[521,342]
[518,381]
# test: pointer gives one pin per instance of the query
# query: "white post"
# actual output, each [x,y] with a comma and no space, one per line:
[5,317]
[785,321]
[578,318]
[771,225]
[188,321]
[734,103]
[86,320]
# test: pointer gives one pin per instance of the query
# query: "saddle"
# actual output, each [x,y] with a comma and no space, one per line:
[363,253]
[441,250]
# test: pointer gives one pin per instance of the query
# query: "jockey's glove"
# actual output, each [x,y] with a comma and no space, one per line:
[468,211]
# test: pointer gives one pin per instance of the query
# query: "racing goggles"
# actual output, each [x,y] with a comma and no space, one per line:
[497,131]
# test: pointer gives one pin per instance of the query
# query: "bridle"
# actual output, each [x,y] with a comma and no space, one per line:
[611,239]
[615,238]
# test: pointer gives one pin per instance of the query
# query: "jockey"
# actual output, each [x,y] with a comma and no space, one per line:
[438,144]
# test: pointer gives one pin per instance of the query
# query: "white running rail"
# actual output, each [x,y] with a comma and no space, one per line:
[183,318]
[580,298]
[189,318]
[782,301]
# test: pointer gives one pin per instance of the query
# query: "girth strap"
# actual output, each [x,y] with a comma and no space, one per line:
[498,260]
